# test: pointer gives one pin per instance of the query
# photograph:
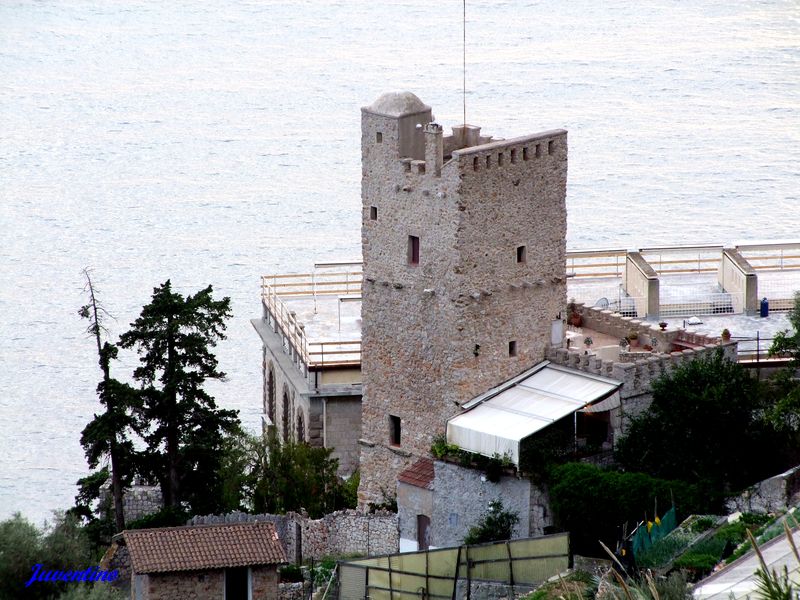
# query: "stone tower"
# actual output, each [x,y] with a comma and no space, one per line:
[463,242]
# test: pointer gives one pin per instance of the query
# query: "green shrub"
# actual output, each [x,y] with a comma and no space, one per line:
[291,574]
[695,561]
[93,591]
[496,524]
[592,503]
[664,550]
[701,524]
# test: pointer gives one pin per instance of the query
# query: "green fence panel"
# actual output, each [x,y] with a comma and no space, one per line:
[433,572]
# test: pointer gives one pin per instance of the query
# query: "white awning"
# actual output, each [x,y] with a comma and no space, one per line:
[498,421]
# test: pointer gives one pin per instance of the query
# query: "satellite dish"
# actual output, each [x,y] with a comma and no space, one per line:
[602,303]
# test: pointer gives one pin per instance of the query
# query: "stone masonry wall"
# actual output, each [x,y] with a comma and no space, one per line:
[491,590]
[342,417]
[293,591]
[437,334]
[462,496]
[338,533]
[202,585]
[138,500]
[771,495]
[185,586]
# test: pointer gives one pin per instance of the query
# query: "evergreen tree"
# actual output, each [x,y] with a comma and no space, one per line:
[106,435]
[181,426]
[706,424]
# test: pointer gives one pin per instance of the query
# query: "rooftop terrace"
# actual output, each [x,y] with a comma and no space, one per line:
[319,313]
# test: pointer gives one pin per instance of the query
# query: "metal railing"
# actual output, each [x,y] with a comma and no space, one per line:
[772,257]
[696,304]
[276,289]
[754,351]
[675,260]
[596,263]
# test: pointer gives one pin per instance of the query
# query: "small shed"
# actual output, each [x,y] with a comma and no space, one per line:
[231,561]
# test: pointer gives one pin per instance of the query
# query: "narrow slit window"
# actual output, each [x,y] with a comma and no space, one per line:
[413,250]
[488,161]
[379,138]
[512,348]
[394,430]
[524,154]
[475,164]
[373,213]
[513,156]
[500,159]
[550,147]
[522,254]
[538,150]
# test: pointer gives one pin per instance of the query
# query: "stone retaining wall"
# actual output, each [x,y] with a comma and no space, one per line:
[491,590]
[771,495]
[294,591]
[339,533]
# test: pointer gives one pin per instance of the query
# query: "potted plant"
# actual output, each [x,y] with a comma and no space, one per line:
[663,325]
[726,335]
[573,316]
[633,338]
[587,341]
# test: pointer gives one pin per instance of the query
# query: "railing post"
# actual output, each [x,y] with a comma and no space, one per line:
[314,289]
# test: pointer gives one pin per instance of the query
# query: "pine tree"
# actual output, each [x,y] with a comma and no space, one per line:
[181,426]
[106,435]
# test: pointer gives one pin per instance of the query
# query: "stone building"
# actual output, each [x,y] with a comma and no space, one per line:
[463,241]
[230,562]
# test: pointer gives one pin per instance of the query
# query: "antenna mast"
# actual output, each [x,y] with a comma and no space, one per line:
[464,55]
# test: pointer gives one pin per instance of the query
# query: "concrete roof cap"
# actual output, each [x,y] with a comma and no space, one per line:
[398,104]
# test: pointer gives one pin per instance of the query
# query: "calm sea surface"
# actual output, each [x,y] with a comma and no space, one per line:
[211,142]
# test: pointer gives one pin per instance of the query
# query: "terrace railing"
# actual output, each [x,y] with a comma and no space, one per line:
[313,354]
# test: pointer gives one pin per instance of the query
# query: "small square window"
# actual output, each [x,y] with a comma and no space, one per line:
[394,430]
[379,137]
[413,250]
[550,147]
[512,348]
[522,254]
[373,213]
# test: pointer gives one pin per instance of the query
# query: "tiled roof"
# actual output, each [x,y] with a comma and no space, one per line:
[420,474]
[204,547]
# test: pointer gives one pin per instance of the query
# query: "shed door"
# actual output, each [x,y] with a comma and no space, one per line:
[237,584]
[423,531]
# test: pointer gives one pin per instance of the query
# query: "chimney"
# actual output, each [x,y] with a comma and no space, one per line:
[433,148]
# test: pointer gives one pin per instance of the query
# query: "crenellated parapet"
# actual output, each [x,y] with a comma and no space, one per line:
[616,325]
[636,377]
[637,370]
